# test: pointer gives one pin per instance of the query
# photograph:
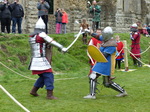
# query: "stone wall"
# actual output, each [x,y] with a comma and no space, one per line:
[119,14]
[76,10]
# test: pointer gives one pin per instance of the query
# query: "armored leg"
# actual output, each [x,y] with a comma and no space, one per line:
[93,82]
[93,86]
[110,84]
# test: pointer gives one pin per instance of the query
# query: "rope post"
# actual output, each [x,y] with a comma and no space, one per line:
[125,55]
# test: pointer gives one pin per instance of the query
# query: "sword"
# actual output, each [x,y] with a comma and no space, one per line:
[78,35]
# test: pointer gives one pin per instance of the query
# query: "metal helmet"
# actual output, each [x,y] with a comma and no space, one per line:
[39,27]
[40,24]
[107,33]
[133,28]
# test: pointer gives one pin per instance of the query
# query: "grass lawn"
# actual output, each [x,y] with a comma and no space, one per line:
[70,91]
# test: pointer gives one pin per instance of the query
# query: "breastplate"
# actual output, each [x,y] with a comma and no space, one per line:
[37,49]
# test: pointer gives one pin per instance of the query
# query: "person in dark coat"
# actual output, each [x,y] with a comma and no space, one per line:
[17,16]
[58,15]
[5,16]
[43,8]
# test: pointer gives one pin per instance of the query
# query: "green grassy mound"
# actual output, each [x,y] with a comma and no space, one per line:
[71,83]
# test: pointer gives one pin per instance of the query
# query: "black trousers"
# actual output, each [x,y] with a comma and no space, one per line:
[118,63]
[45,19]
[95,25]
[5,23]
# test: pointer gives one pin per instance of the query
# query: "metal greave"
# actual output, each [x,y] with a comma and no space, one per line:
[93,86]
[110,84]
[117,87]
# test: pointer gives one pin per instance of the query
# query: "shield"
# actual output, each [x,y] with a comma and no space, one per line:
[96,54]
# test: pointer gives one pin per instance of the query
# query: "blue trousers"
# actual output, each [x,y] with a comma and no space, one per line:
[18,22]
[46,79]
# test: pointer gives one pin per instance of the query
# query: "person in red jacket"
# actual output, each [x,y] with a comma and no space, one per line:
[120,52]
[64,21]
[135,46]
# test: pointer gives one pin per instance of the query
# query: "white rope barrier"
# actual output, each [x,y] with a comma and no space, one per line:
[75,77]
[32,78]
[19,104]
[143,51]
[134,54]
[137,58]
[119,53]
[16,72]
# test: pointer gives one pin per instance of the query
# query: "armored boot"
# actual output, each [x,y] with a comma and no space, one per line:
[34,91]
[50,95]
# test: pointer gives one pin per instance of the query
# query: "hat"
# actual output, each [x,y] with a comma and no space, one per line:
[40,24]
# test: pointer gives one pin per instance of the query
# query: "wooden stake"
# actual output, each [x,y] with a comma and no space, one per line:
[125,55]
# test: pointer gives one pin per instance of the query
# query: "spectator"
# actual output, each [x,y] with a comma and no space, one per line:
[142,29]
[64,21]
[85,29]
[5,16]
[95,11]
[139,27]
[148,29]
[58,16]
[17,16]
[145,32]
[120,52]
[43,7]
[0,11]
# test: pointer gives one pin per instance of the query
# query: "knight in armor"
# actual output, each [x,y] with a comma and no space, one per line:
[135,46]
[105,69]
[39,63]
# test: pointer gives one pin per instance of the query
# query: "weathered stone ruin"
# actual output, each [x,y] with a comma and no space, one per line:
[119,14]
